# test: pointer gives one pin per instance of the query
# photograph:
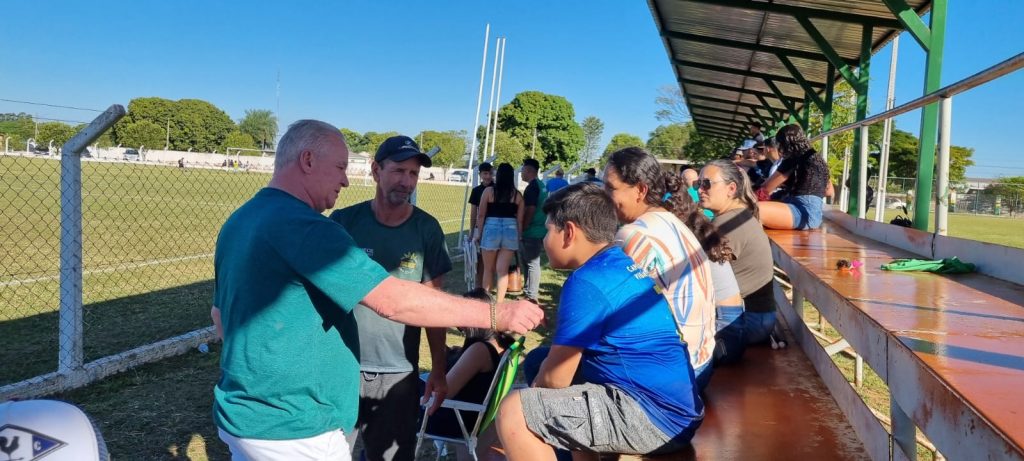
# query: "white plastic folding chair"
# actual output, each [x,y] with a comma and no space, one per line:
[469,256]
[502,383]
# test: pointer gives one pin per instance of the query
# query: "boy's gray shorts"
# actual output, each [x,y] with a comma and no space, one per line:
[593,418]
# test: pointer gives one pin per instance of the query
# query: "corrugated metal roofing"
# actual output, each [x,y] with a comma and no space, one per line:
[723,51]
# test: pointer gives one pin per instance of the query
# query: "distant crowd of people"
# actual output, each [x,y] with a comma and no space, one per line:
[671,277]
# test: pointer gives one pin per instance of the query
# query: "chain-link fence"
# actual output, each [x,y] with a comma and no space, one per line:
[148,236]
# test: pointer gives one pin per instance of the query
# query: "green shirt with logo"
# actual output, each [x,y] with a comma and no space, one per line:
[286,281]
[415,251]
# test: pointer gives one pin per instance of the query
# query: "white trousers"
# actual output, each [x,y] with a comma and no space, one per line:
[329,446]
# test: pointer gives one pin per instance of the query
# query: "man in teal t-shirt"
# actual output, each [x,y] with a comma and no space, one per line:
[286,282]
[409,244]
[533,227]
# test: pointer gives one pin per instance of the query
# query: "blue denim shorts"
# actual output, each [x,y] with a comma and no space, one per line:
[500,234]
[806,211]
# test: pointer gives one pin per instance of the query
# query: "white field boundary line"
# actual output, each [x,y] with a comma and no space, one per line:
[152,262]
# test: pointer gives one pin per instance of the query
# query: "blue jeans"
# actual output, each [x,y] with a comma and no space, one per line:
[806,211]
[530,258]
[500,234]
[758,325]
[730,336]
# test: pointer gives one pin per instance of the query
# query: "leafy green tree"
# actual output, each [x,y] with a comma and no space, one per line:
[372,139]
[546,118]
[18,127]
[671,105]
[621,141]
[1010,190]
[141,133]
[667,141]
[194,124]
[452,144]
[700,149]
[58,132]
[199,125]
[240,140]
[509,150]
[260,125]
[354,140]
[593,127]
[844,111]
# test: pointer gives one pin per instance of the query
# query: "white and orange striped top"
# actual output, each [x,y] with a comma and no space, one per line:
[670,253]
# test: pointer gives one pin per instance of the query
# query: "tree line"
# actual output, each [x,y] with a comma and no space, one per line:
[158,123]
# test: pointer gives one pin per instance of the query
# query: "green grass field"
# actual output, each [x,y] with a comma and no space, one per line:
[148,239]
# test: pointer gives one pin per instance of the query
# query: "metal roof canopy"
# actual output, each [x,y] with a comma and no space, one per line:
[745,61]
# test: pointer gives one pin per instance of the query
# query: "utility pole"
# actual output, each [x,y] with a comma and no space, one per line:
[167,141]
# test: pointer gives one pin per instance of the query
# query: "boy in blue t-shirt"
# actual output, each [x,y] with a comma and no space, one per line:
[637,394]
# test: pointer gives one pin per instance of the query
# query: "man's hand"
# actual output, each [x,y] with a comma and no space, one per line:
[437,385]
[518,316]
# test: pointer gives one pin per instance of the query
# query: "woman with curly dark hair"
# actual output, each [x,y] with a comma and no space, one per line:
[649,202]
[803,175]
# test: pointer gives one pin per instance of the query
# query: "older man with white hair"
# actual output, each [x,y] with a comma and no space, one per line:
[287,279]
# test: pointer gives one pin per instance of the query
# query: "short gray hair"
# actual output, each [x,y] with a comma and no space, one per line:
[303,135]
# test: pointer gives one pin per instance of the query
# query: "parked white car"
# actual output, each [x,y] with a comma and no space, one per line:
[894,203]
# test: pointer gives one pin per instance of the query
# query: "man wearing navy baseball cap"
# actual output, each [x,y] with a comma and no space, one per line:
[409,244]
[399,149]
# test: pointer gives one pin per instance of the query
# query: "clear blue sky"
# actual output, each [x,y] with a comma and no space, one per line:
[413,65]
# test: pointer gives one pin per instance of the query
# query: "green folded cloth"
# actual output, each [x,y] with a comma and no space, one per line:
[939,266]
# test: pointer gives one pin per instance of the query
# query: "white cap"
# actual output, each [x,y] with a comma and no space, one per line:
[58,431]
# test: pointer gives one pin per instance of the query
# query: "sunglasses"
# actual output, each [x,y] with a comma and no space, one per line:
[705,184]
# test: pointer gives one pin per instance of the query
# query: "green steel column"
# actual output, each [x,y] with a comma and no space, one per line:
[861,88]
[930,116]
[806,113]
[826,113]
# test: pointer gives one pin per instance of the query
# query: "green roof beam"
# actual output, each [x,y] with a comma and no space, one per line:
[719,86]
[778,94]
[911,21]
[744,73]
[725,111]
[715,117]
[755,107]
[810,55]
[808,90]
[844,69]
[797,11]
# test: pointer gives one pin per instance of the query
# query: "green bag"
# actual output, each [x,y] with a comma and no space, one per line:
[940,266]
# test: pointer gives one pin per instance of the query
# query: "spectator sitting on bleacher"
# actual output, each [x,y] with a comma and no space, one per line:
[637,395]
[724,189]
[646,199]
[470,375]
[729,339]
[804,175]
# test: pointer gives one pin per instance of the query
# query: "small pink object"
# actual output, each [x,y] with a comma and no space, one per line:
[855,264]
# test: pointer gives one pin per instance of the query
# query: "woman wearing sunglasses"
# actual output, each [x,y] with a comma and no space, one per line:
[724,189]
[646,198]
[804,176]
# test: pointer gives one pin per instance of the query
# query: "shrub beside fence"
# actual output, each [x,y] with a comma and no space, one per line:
[148,236]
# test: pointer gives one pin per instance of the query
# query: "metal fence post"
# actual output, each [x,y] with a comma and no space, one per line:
[862,175]
[904,433]
[942,189]
[71,356]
